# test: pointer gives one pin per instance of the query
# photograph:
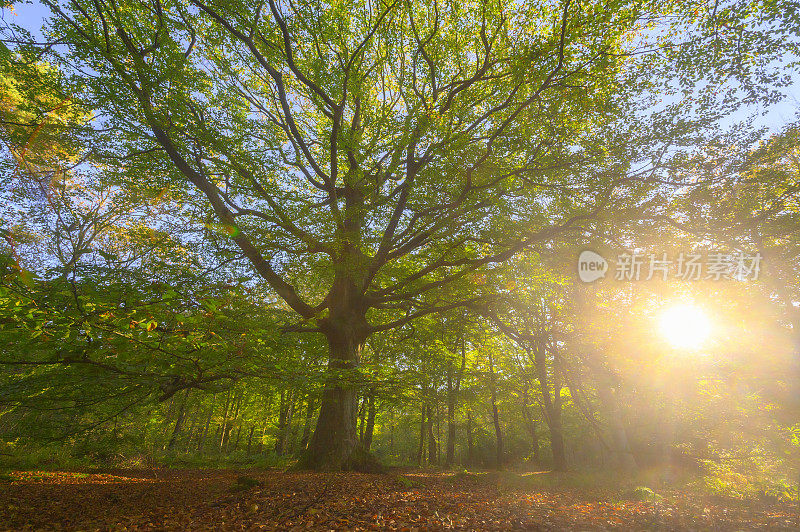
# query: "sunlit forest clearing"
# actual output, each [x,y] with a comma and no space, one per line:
[399,265]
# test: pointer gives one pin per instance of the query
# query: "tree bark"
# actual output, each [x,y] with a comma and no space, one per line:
[551,405]
[335,435]
[310,407]
[421,447]
[178,422]
[452,398]
[281,423]
[370,428]
[495,415]
[201,440]
[470,444]
[250,438]
[431,438]
[238,437]
[362,416]
[195,417]
[264,424]
[223,426]
[531,424]
[438,433]
[235,409]
[284,421]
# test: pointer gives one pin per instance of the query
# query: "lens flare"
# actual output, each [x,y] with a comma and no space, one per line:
[685,326]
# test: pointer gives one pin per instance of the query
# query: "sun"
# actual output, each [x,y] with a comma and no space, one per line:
[684,326]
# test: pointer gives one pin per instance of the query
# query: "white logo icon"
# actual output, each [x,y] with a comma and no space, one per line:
[591,266]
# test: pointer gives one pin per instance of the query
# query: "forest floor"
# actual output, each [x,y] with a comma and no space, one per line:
[170,499]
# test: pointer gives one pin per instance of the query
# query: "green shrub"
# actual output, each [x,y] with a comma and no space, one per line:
[643,494]
[243,482]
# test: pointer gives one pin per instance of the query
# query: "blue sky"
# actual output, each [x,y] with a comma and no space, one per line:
[31,16]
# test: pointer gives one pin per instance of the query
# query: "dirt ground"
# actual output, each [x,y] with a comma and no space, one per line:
[169,499]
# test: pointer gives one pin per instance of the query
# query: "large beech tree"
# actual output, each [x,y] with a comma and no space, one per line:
[369,158]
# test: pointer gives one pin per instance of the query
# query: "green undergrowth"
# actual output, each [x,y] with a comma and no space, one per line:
[52,458]
[650,485]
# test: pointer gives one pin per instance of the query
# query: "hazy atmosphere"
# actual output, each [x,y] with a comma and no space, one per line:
[399,265]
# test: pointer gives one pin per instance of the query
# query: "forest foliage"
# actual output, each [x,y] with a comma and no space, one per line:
[346,236]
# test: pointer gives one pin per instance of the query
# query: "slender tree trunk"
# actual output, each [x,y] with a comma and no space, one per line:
[498,432]
[235,409]
[179,421]
[238,437]
[431,438]
[370,428]
[561,461]
[551,404]
[310,407]
[530,423]
[287,429]
[250,438]
[216,434]
[204,434]
[265,422]
[190,432]
[557,438]
[537,459]
[621,451]
[451,429]
[470,443]
[452,398]
[421,447]
[224,425]
[284,414]
[362,414]
[438,433]
[391,433]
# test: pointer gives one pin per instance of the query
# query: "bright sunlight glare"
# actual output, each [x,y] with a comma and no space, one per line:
[684,326]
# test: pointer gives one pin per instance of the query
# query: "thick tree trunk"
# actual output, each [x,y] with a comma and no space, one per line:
[346,329]
[335,435]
